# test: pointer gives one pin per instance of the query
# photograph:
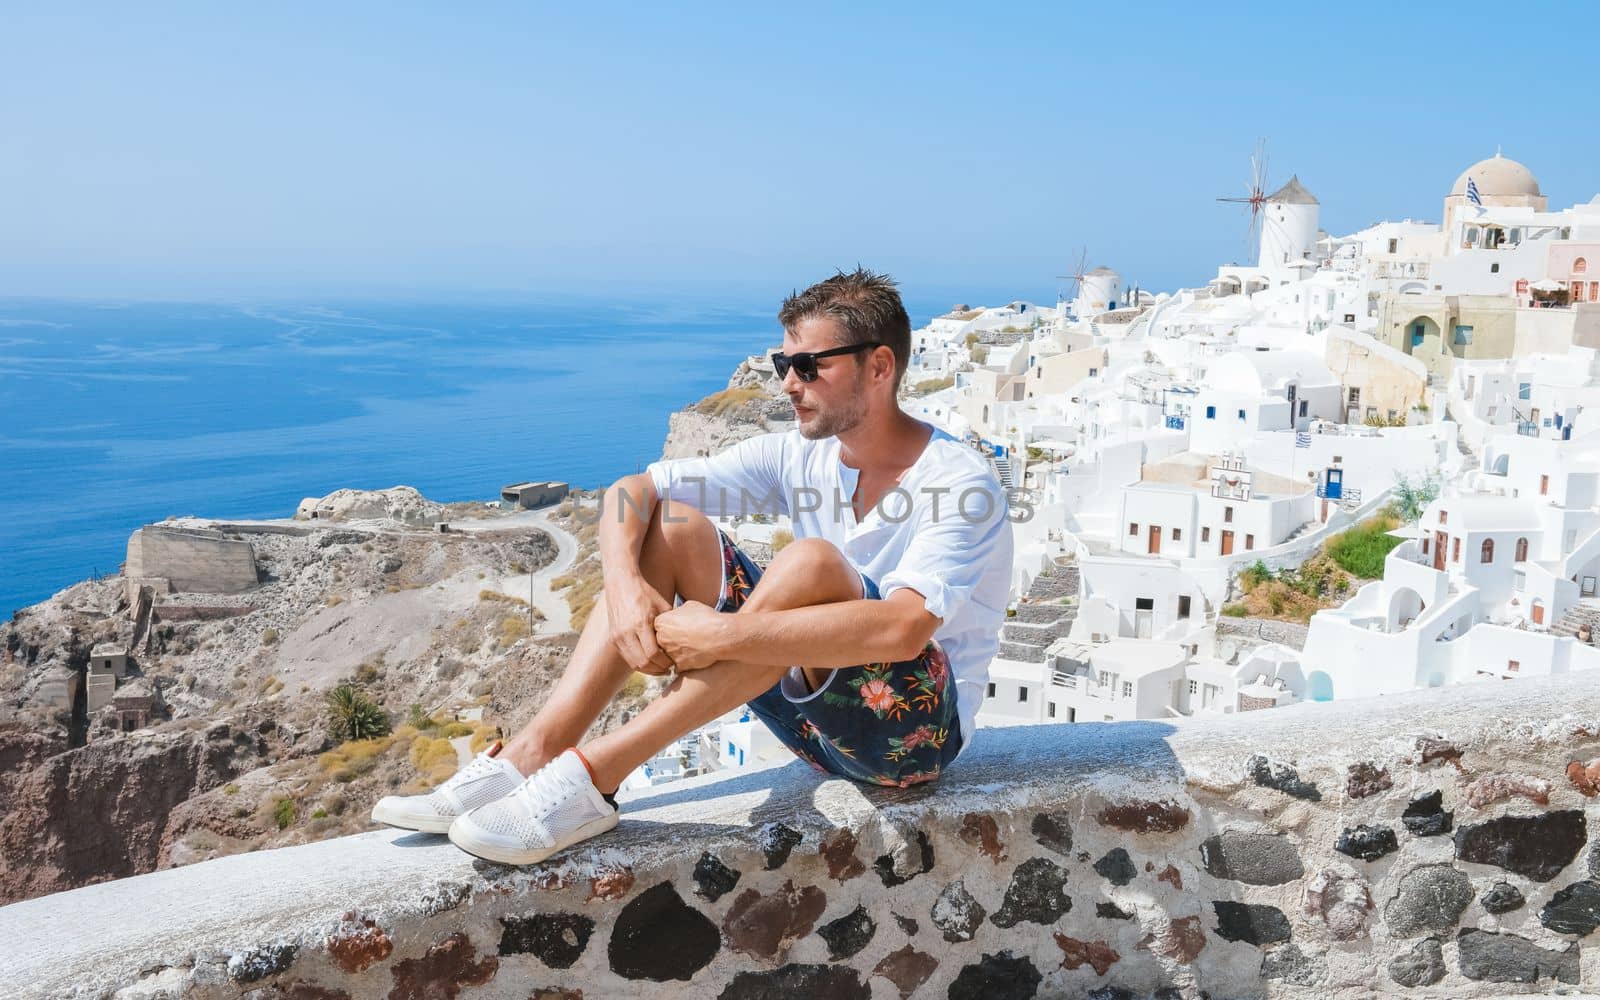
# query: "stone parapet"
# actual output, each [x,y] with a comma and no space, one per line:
[192,559]
[1438,846]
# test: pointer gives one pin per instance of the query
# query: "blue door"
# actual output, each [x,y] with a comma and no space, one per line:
[1335,490]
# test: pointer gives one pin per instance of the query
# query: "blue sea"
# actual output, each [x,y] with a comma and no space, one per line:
[113,415]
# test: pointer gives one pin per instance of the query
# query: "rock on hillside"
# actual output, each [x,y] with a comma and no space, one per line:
[397,503]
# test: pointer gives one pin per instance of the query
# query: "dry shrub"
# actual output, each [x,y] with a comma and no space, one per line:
[349,761]
[512,627]
[483,734]
[722,403]
[434,759]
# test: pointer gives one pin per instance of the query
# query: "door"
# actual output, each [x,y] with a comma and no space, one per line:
[1227,543]
[1335,487]
[1142,622]
[1155,539]
[1538,612]
[1588,586]
[1440,543]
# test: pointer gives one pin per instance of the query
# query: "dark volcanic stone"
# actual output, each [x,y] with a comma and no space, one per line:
[1367,778]
[1291,965]
[1594,860]
[1428,898]
[1251,858]
[713,877]
[1270,774]
[996,977]
[776,842]
[1116,867]
[260,962]
[556,939]
[906,924]
[956,913]
[1034,895]
[1110,911]
[1502,897]
[1423,965]
[1142,816]
[1507,958]
[443,970]
[1054,831]
[848,934]
[1254,923]
[884,866]
[658,936]
[1573,910]
[1369,843]
[1537,847]
[1425,815]
[907,969]
[790,981]
[1110,993]
[764,925]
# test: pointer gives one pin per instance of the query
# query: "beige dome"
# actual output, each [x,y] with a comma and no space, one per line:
[1498,176]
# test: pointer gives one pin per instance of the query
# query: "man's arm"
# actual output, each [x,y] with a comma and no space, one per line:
[823,636]
[631,603]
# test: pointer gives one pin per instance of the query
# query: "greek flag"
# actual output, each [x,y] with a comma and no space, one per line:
[1302,439]
[1472,192]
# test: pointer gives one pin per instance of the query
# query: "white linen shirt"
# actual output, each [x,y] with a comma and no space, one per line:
[943,532]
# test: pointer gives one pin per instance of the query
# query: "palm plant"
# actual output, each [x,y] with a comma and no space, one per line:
[354,716]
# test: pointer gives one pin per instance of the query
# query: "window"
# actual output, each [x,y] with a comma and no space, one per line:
[1519,582]
[1417,333]
[1488,551]
[1522,550]
[1394,246]
[1455,551]
[1211,413]
[1227,515]
[991,689]
[1022,694]
[1241,414]
[1580,266]
[1512,666]
[1305,407]
[1349,317]
[1372,413]
[1494,268]
[1144,604]
[1194,688]
[1524,390]
[1424,544]
[1103,678]
[1544,486]
[1177,534]
[1133,528]
[1205,534]
[1444,517]
[1355,397]
[1183,605]
[1463,333]
[1051,710]
[1093,372]
[1127,689]
[1249,541]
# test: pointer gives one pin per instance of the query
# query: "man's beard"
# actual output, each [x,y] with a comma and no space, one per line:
[833,422]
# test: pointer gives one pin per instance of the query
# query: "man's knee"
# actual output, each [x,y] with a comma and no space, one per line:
[680,524]
[815,570]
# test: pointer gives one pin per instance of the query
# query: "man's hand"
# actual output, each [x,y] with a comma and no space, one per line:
[691,635]
[632,610]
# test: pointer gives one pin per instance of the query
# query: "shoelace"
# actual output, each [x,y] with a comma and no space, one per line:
[546,787]
[477,767]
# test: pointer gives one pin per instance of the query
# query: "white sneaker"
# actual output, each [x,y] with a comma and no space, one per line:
[485,778]
[556,808]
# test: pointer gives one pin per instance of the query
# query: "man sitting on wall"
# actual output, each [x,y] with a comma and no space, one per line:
[864,646]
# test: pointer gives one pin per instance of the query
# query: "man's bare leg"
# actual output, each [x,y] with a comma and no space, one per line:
[680,555]
[807,572]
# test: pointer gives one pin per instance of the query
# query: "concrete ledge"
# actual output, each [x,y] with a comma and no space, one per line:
[1296,853]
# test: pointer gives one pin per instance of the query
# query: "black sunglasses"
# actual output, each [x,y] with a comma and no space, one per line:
[805,362]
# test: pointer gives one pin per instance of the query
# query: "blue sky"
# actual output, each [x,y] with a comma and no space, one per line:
[173,150]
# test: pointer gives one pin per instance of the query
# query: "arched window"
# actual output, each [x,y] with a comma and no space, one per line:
[1580,266]
[1522,550]
[1488,550]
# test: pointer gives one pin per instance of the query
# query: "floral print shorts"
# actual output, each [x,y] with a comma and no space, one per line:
[878,723]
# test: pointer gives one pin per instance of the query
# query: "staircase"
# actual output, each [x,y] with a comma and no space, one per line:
[1044,619]
[1578,614]
[1002,466]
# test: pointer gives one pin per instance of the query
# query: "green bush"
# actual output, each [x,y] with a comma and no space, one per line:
[354,716]
[1235,611]
[284,813]
[1255,575]
[1362,549]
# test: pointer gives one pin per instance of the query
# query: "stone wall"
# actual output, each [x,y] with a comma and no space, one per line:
[1439,846]
[1291,634]
[193,559]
